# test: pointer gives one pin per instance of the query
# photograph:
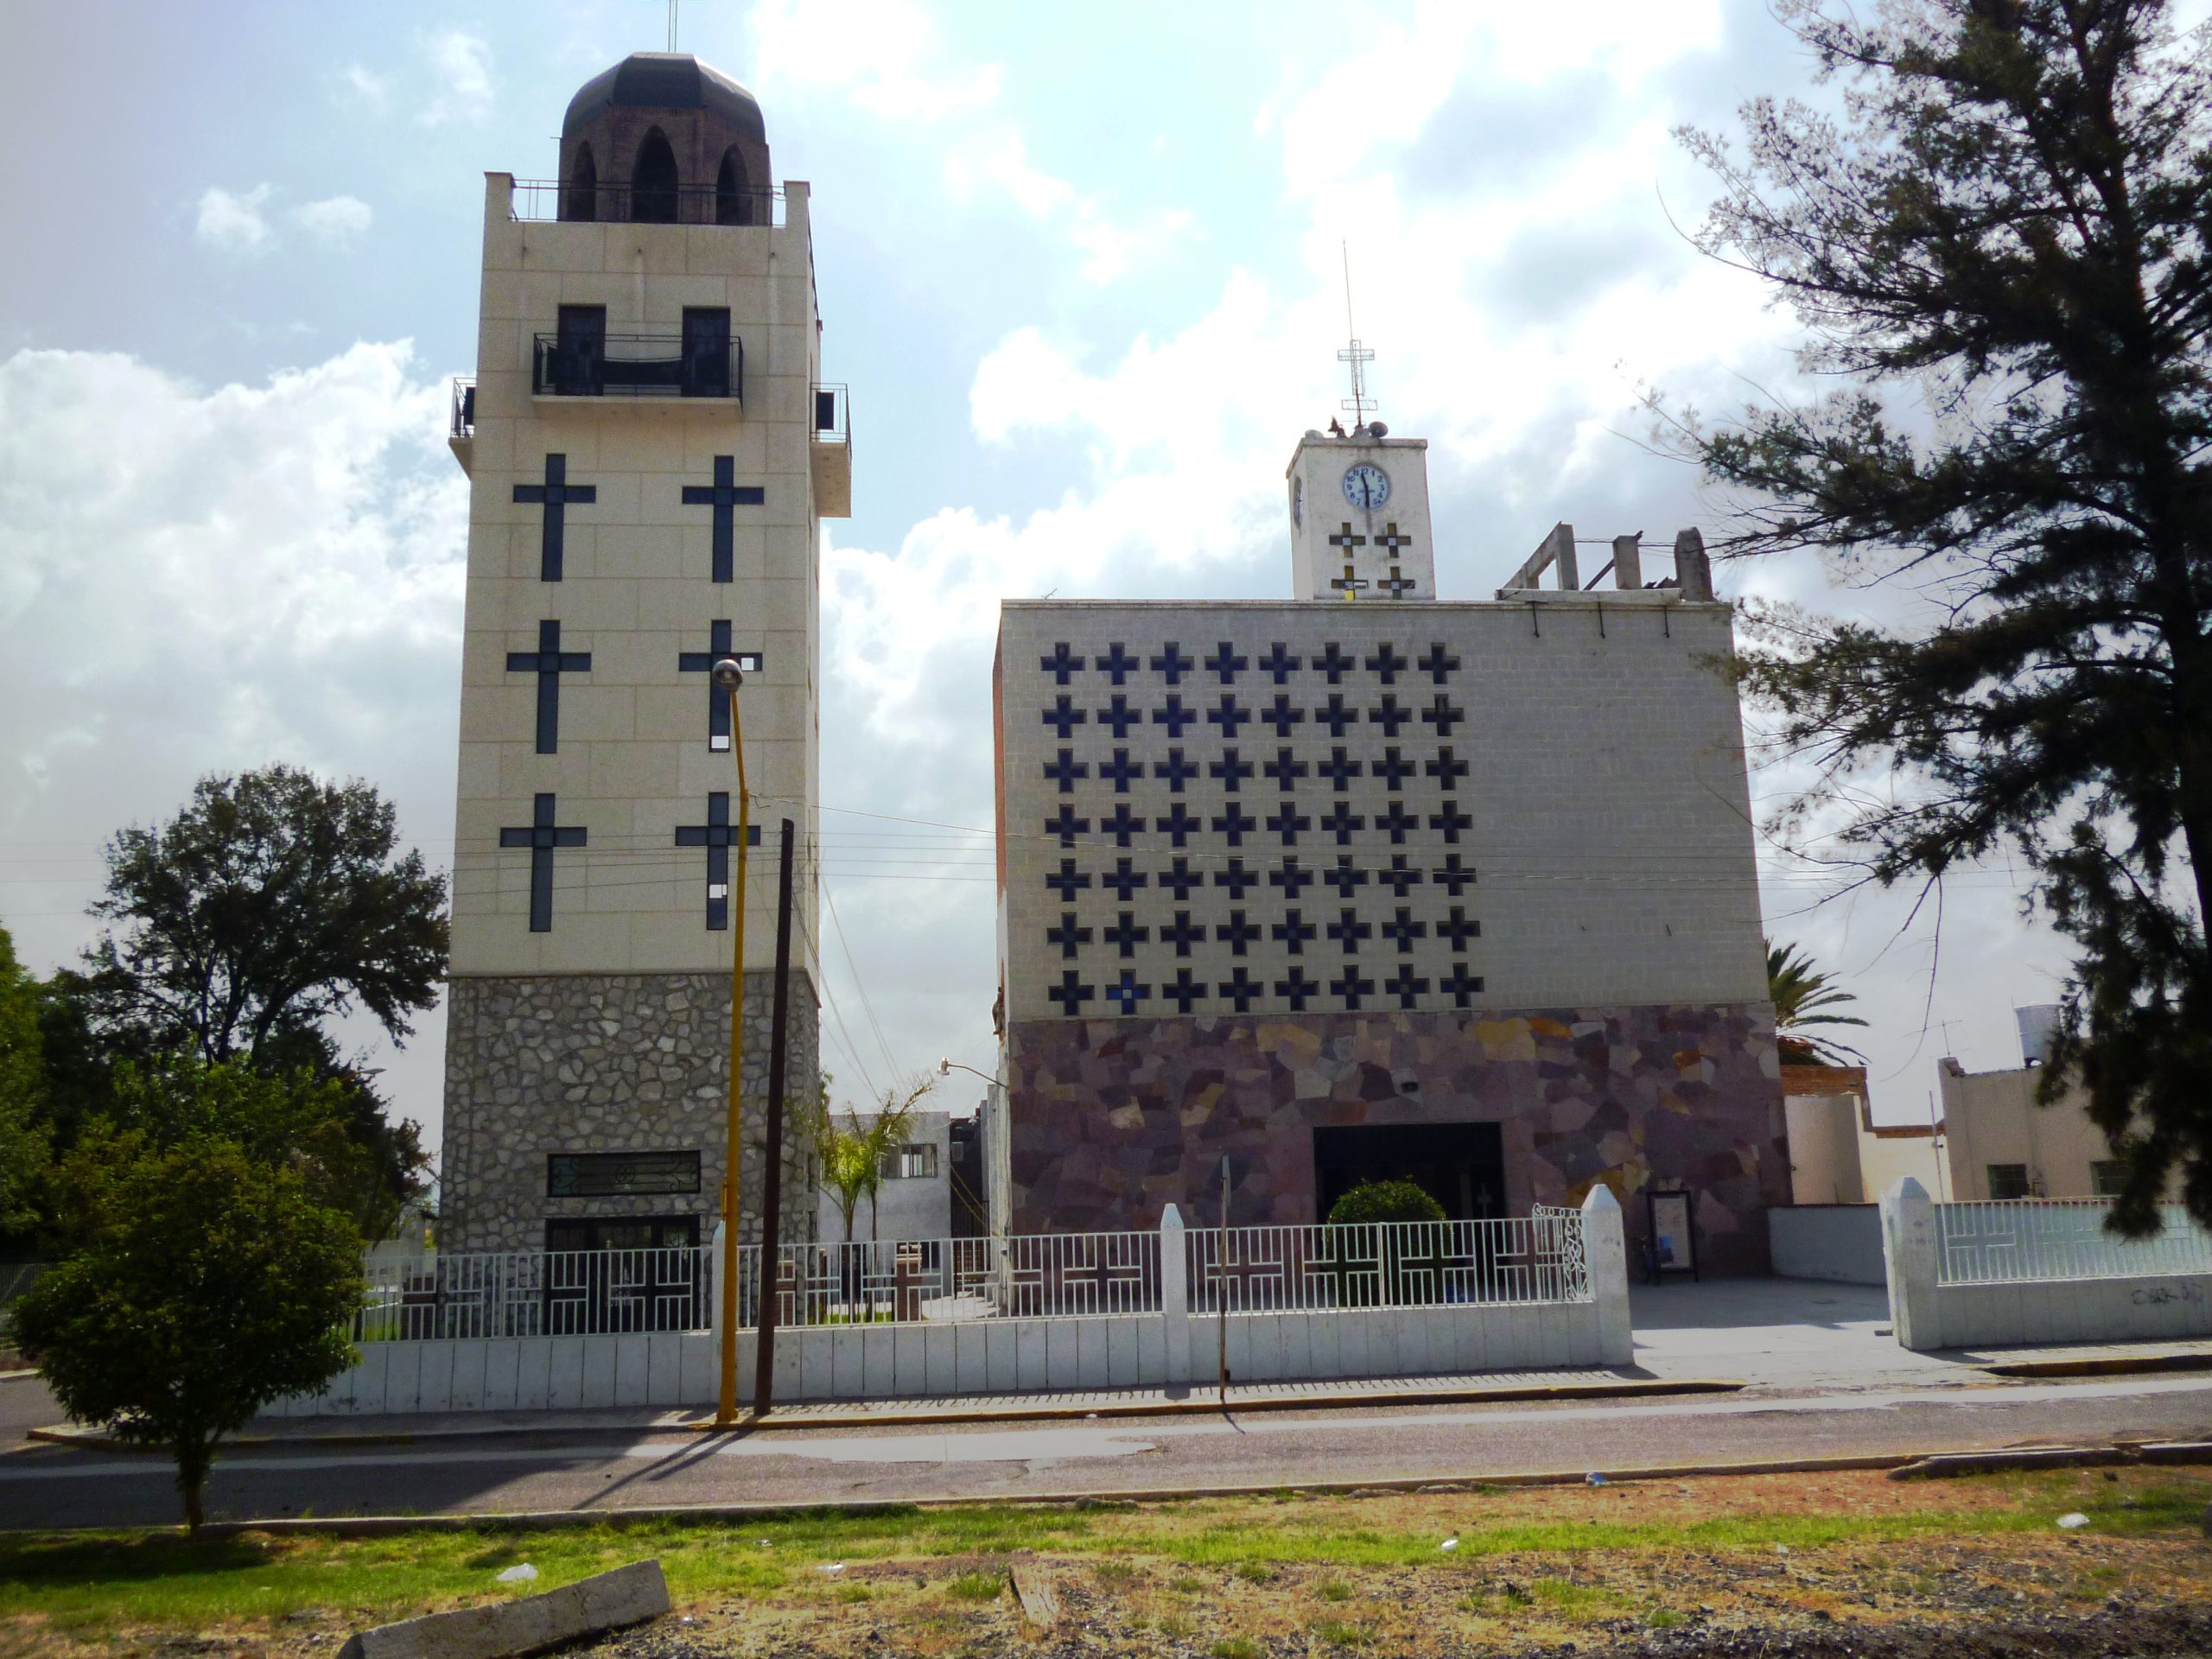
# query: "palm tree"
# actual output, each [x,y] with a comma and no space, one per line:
[1798,995]
[853,1157]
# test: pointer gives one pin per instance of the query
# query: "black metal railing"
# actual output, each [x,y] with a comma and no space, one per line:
[833,414]
[637,365]
[464,406]
[540,200]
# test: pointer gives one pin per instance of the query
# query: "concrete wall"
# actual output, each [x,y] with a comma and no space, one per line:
[1824,1166]
[1842,1242]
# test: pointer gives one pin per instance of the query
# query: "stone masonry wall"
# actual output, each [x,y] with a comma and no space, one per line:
[601,1063]
[1111,1119]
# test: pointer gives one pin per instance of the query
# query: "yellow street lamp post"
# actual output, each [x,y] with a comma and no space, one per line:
[729,675]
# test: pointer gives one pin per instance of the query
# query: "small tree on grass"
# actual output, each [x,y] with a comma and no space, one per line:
[203,1286]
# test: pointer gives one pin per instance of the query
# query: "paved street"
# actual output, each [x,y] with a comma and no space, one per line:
[1825,1381]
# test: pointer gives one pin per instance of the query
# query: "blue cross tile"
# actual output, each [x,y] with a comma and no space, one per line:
[1172,664]
[1397,821]
[1347,876]
[1286,769]
[1336,717]
[1118,663]
[1402,930]
[1462,984]
[1230,770]
[1239,988]
[1126,992]
[1399,878]
[1292,931]
[1439,663]
[1061,664]
[1176,769]
[1226,662]
[1122,880]
[1386,665]
[1342,822]
[1296,987]
[1185,991]
[1458,928]
[1334,664]
[1228,716]
[1125,935]
[1287,821]
[1066,825]
[1119,716]
[1348,931]
[1452,877]
[1291,880]
[1120,772]
[1178,878]
[1234,877]
[1233,823]
[1406,985]
[1443,713]
[1065,769]
[1450,821]
[1067,881]
[1174,716]
[1351,988]
[1178,823]
[1181,934]
[1124,825]
[1236,933]
[1063,716]
[1281,715]
[1067,935]
[1392,770]
[1389,716]
[1071,993]
[1445,769]
[1280,663]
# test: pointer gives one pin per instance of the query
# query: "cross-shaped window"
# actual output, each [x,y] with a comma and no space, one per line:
[1402,930]
[1067,935]
[541,835]
[1119,716]
[1226,662]
[1122,880]
[717,835]
[1351,987]
[1285,769]
[1064,717]
[1178,878]
[1333,663]
[1345,876]
[1181,934]
[1405,985]
[1233,823]
[1458,928]
[1399,878]
[1067,881]
[1341,821]
[1292,931]
[724,495]
[1348,931]
[1071,993]
[1397,821]
[1463,985]
[1392,540]
[1280,663]
[1061,664]
[1228,716]
[1387,663]
[1122,825]
[1178,823]
[1174,716]
[1452,877]
[1236,931]
[1345,539]
[1175,769]
[1120,772]
[1125,935]
[1234,877]
[1440,663]
[703,662]
[1065,769]
[1445,769]
[1281,715]
[1451,820]
[1184,991]
[1336,717]
[1443,714]
[1394,770]
[549,662]
[1172,664]
[1239,988]
[1230,770]
[1296,987]
[1337,769]
[1118,663]
[1288,822]
[555,495]
[1386,715]
[1066,825]
[1291,880]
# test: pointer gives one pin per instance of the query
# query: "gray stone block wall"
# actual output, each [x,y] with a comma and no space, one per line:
[610,1063]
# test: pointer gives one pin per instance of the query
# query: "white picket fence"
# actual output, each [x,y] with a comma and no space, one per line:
[2017,1241]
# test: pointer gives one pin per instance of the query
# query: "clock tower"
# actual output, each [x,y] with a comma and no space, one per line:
[1359,517]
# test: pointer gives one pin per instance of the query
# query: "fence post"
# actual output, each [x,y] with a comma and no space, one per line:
[1604,1255]
[1174,1296]
[1908,1253]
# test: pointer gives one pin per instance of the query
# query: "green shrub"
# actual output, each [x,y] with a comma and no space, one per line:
[1384,1201]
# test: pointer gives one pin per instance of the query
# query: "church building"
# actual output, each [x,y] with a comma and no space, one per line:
[1366,883]
[650,448]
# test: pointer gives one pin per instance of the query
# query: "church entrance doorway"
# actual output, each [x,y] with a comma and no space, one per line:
[1461,1166]
[625,1273]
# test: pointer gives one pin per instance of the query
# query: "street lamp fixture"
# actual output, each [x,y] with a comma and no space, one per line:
[729,675]
[946,1068]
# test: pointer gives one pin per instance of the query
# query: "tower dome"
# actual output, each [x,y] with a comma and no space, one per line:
[664,138]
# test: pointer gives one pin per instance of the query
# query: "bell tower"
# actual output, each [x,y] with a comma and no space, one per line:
[651,449]
[1359,516]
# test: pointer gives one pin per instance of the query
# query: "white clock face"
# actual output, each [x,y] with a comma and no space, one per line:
[1298,501]
[1367,486]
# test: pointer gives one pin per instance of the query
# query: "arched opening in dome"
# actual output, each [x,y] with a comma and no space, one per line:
[733,194]
[580,200]
[652,181]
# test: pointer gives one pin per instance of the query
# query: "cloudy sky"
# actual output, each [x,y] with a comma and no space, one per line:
[1084,278]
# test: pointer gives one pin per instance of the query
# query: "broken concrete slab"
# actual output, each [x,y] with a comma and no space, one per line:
[606,1601]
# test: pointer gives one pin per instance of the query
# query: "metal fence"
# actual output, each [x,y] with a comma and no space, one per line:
[2023,1240]
[1028,1277]
[536,1294]
[613,202]
[1539,1257]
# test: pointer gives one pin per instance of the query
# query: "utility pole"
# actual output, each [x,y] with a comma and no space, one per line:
[1221,1283]
[771,1173]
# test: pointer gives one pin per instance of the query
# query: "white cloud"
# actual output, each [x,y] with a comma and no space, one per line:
[882,55]
[338,222]
[461,63]
[232,222]
[364,86]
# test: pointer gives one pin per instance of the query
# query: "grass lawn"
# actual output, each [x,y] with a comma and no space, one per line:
[1230,1578]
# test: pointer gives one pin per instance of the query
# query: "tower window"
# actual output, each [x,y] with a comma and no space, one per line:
[733,192]
[581,202]
[652,181]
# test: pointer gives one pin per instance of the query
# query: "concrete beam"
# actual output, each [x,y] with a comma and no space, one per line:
[606,1601]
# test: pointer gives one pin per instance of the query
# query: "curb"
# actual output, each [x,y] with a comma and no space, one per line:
[91,1440]
[2103,1365]
[1941,1465]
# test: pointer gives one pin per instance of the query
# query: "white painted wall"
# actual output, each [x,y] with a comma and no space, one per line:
[1841,1243]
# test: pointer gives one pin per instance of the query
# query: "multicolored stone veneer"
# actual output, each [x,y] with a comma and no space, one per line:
[1112,1119]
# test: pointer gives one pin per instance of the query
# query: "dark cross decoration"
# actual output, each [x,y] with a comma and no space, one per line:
[1403,930]
[1284,769]
[1386,715]
[1281,716]
[1392,542]
[1399,877]
[1445,769]
[1226,662]
[1071,993]
[1120,716]
[1125,935]
[1182,935]
[1119,664]
[1122,880]
[1288,822]
[1348,584]
[1230,770]
[1452,877]
[1176,769]
[1061,663]
[1067,935]
[1334,664]
[1348,931]
[1336,717]
[1337,769]
[1386,664]
[1178,823]
[1351,988]
[1178,878]
[1396,584]
[1460,929]
[717,835]
[1451,820]
[1128,993]
[1066,825]
[541,835]
[1234,877]
[549,662]
[1341,822]
[1185,991]
[1065,769]
[1291,880]
[1397,821]
[1345,876]
[722,495]
[1280,663]
[1405,985]
[1063,716]
[1393,771]
[1122,825]
[1228,716]
[1292,931]
[1120,772]
[1391,539]
[1233,823]
[1443,715]
[1067,881]
[1296,989]
[1170,664]
[1462,984]
[703,662]
[1239,988]
[1440,663]
[1237,932]
[1174,716]
[555,495]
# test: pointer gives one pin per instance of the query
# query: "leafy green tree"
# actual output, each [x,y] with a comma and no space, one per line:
[2000,247]
[1379,1201]
[1802,996]
[272,902]
[206,1285]
[854,1158]
[25,1134]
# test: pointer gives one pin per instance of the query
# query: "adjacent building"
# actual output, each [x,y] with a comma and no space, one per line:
[650,448]
[1364,882]
[2002,1144]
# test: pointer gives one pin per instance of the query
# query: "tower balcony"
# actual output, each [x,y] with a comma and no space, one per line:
[658,365]
[830,456]
[461,432]
[543,200]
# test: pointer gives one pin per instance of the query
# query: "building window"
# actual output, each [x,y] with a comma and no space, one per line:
[910,1162]
[620,1174]
[2008,1180]
[2107,1176]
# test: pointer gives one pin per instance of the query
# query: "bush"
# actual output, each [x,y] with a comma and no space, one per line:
[1372,1201]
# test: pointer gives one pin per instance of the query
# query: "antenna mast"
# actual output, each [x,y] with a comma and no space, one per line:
[1355,355]
[671,25]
